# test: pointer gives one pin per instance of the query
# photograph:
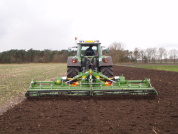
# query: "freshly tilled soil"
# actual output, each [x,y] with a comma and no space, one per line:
[119,114]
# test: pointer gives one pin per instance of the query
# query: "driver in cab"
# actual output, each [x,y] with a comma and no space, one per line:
[89,51]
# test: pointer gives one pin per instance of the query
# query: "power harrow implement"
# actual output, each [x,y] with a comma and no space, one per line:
[90,83]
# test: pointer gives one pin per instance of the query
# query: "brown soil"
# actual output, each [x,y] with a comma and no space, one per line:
[11,103]
[127,114]
[130,64]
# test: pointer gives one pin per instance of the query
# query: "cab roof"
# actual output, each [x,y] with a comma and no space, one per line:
[89,42]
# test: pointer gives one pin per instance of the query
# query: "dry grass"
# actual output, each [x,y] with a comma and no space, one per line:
[16,78]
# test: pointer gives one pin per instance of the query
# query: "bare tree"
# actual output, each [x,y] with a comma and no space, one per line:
[126,56]
[136,53]
[161,52]
[171,58]
[154,52]
[142,54]
[117,51]
[165,56]
[173,53]
[130,55]
[149,54]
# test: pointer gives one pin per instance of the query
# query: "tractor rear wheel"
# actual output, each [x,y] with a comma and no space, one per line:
[72,71]
[108,71]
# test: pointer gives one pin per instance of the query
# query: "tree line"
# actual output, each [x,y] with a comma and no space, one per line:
[139,55]
[117,51]
[36,56]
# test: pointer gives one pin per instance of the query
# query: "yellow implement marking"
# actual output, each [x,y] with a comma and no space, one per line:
[89,41]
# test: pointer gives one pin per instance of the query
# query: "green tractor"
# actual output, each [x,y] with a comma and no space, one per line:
[89,56]
[90,73]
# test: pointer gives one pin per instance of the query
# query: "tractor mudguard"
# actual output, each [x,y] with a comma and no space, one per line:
[108,63]
[70,63]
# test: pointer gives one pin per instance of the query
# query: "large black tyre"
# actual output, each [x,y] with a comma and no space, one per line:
[72,71]
[108,71]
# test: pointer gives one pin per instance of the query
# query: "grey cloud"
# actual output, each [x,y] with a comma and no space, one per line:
[169,45]
[26,26]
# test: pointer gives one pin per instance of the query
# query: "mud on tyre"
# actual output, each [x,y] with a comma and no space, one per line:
[72,71]
[108,71]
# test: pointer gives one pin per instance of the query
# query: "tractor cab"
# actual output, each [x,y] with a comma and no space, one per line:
[89,48]
[89,51]
[83,46]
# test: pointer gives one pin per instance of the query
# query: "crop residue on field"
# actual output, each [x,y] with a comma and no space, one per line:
[16,78]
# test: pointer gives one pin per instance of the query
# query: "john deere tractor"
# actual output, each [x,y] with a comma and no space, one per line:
[89,56]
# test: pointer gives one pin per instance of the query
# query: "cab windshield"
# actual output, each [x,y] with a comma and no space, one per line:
[85,47]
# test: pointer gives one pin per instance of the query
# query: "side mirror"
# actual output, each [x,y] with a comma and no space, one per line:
[107,50]
[69,50]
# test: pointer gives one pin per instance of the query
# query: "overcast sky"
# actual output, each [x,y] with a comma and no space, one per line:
[54,24]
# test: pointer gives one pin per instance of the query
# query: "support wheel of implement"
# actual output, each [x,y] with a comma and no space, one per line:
[107,71]
[72,71]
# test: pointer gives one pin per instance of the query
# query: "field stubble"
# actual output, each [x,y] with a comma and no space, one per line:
[16,78]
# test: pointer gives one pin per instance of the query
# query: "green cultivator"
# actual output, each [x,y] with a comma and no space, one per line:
[91,83]
[90,73]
